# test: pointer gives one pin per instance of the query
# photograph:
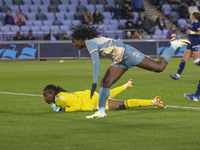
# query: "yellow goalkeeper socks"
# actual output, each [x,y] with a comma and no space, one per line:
[116,91]
[137,103]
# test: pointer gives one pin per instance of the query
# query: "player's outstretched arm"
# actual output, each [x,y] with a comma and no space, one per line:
[96,68]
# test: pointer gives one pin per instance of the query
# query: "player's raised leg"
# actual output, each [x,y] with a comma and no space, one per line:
[159,66]
[119,89]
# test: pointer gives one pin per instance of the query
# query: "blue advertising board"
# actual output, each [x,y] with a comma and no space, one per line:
[164,45]
[18,51]
[147,48]
[57,50]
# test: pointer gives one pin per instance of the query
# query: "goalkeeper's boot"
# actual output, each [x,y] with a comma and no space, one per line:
[180,42]
[97,114]
[129,84]
[160,104]
[175,77]
[192,97]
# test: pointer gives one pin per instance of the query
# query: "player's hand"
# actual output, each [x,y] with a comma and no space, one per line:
[94,86]
[55,107]
[188,31]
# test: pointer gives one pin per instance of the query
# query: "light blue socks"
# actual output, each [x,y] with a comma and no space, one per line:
[104,93]
[170,52]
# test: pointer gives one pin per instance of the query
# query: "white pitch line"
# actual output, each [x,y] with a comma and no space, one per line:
[24,94]
[20,94]
[183,107]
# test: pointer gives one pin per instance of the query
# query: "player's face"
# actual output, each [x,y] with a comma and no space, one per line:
[49,98]
[79,44]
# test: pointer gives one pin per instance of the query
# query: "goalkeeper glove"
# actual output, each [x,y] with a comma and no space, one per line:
[94,86]
[57,108]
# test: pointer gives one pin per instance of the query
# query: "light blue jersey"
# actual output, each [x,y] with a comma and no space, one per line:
[121,54]
[115,50]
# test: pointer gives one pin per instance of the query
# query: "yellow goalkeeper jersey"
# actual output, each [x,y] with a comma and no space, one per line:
[78,101]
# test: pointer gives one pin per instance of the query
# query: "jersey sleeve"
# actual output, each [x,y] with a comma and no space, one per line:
[96,66]
[60,101]
[93,49]
[91,46]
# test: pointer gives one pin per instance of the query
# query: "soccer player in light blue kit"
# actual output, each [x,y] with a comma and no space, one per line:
[123,56]
[194,48]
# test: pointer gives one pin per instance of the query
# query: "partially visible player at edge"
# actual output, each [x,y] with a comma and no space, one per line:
[194,48]
[80,101]
[194,97]
[123,56]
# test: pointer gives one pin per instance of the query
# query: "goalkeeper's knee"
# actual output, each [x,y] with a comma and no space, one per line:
[197,62]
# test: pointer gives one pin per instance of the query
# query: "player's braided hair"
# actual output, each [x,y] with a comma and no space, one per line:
[53,88]
[85,32]
[196,15]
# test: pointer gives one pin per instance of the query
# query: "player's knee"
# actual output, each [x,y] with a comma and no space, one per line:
[197,62]
[159,69]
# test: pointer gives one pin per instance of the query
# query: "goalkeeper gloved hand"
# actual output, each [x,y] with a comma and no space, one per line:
[57,108]
[94,86]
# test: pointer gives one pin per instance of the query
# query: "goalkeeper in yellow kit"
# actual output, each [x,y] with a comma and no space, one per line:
[80,101]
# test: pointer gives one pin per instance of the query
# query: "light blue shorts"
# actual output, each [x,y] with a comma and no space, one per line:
[131,58]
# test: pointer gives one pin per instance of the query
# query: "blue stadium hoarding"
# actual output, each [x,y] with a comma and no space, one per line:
[66,50]
[58,50]
[164,45]
[18,51]
[146,47]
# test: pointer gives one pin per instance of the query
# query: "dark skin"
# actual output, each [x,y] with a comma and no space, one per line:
[79,44]
[114,73]
[49,97]
[114,104]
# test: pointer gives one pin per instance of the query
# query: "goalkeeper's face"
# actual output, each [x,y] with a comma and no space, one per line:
[79,44]
[49,97]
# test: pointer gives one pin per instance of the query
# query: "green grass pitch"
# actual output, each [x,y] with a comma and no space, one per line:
[27,123]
